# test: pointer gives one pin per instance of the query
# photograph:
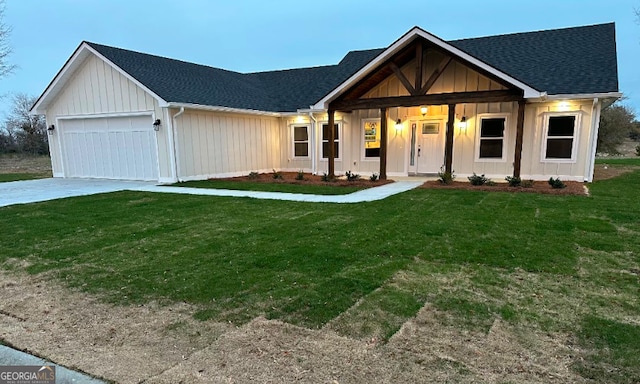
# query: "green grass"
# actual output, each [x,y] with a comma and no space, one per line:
[5,177]
[627,161]
[271,187]
[556,264]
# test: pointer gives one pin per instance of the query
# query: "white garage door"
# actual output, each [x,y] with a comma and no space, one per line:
[110,148]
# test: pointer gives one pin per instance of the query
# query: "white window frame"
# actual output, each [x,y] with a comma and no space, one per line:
[293,140]
[505,137]
[363,151]
[339,140]
[545,136]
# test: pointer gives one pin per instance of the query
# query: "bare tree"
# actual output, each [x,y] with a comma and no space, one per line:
[5,47]
[27,132]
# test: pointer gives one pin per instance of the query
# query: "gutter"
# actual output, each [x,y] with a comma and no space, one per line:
[595,128]
[224,109]
[314,123]
[174,141]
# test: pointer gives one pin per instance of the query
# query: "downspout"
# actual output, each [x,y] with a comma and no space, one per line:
[595,127]
[175,141]
[314,122]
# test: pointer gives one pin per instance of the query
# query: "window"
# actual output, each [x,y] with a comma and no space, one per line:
[325,140]
[560,135]
[491,138]
[371,138]
[300,141]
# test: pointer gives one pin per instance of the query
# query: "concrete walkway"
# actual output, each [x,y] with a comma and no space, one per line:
[369,194]
[33,191]
[10,356]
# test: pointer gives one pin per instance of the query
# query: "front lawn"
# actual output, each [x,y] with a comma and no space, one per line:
[6,177]
[551,264]
[270,187]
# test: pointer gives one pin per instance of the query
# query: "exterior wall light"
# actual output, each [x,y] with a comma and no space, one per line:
[424,110]
[399,125]
[156,125]
[463,123]
[51,129]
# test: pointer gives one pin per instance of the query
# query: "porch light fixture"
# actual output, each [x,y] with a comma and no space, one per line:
[424,110]
[156,125]
[51,129]
[399,125]
[463,123]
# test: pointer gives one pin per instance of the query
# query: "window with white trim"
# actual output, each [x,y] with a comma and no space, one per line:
[325,140]
[371,135]
[560,137]
[300,136]
[491,137]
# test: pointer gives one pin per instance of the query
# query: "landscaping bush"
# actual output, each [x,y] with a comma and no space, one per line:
[300,175]
[373,177]
[556,183]
[513,181]
[277,175]
[477,180]
[352,176]
[325,177]
[253,175]
[446,177]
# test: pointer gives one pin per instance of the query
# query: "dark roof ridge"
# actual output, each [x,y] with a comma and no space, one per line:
[532,32]
[162,57]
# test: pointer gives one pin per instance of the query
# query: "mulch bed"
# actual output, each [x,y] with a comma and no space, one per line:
[573,187]
[309,179]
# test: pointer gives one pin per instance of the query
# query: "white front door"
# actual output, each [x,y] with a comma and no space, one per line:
[427,151]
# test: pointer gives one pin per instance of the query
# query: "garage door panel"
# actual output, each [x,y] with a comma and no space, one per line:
[113,148]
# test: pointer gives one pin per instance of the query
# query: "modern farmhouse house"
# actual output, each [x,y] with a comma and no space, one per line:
[525,104]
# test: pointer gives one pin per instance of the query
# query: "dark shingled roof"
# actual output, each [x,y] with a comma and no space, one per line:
[558,61]
[561,61]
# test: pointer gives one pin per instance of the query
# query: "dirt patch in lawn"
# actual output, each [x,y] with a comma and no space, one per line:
[19,163]
[573,187]
[308,179]
[604,171]
[163,344]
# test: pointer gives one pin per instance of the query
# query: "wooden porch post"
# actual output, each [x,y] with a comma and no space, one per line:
[517,158]
[448,149]
[383,143]
[332,149]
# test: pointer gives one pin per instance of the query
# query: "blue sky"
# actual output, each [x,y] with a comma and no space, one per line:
[247,35]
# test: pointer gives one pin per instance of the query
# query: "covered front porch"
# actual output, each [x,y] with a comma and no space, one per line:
[429,101]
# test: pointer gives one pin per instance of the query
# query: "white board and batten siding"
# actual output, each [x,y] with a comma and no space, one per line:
[99,113]
[214,145]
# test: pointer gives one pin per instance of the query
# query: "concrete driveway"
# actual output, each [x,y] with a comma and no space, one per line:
[33,191]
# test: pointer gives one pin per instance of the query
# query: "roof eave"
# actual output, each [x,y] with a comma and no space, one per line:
[323,103]
[217,108]
[576,96]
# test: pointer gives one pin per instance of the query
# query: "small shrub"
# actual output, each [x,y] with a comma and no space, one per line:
[325,177]
[527,183]
[352,176]
[477,180]
[491,183]
[374,177]
[277,175]
[513,181]
[556,183]
[446,177]
[638,150]
[253,175]
[300,175]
